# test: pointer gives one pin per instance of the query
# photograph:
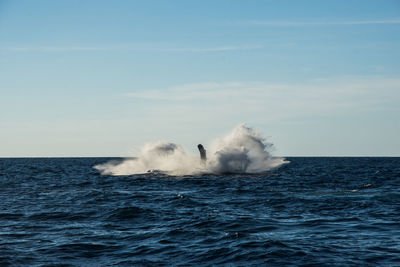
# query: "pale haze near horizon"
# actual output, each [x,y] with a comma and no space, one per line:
[101,78]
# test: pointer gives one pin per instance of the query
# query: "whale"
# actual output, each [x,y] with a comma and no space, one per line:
[202,151]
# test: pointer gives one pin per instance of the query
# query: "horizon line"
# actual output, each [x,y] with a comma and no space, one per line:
[297,156]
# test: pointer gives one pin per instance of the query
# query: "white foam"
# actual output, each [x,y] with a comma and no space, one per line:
[242,151]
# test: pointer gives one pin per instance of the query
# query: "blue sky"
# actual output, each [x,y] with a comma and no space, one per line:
[101,78]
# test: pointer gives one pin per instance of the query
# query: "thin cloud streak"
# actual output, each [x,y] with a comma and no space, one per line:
[58,48]
[319,23]
[213,49]
[151,48]
[325,95]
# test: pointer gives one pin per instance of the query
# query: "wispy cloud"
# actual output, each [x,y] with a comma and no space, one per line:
[213,49]
[131,47]
[289,23]
[59,48]
[200,91]
[322,96]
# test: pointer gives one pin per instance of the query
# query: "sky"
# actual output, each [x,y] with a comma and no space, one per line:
[102,78]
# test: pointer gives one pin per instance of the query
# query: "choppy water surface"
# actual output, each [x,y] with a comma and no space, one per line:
[340,211]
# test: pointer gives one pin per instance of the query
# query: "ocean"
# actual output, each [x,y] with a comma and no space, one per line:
[312,211]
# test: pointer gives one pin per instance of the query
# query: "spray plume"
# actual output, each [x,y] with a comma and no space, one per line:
[242,151]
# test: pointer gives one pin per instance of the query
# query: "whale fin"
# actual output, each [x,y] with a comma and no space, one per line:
[203,155]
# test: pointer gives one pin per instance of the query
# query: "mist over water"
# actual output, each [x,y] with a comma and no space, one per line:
[244,150]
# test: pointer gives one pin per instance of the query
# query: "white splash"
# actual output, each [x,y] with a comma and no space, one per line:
[242,151]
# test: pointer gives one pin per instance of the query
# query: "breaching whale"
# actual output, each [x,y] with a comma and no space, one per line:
[203,155]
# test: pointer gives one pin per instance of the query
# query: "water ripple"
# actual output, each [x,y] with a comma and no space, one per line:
[313,211]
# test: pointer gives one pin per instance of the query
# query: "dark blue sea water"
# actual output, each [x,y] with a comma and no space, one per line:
[313,211]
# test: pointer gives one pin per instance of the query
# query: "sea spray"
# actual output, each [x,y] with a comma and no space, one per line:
[159,156]
[242,151]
